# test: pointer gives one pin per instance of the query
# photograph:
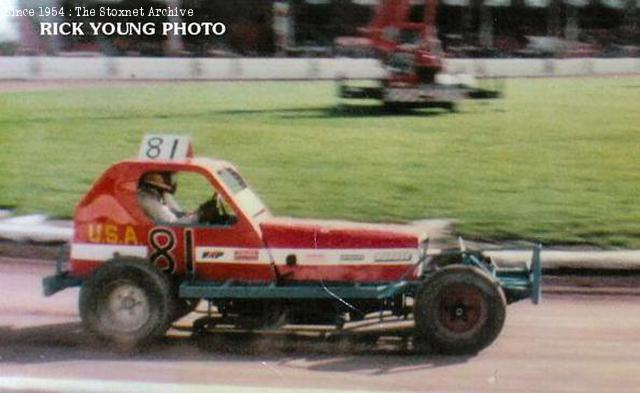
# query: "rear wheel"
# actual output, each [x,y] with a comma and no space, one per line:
[127,302]
[459,310]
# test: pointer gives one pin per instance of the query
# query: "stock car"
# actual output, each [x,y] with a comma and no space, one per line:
[138,276]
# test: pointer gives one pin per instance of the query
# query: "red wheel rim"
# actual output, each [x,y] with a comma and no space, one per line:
[462,309]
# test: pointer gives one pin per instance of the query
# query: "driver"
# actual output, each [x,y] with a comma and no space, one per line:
[155,196]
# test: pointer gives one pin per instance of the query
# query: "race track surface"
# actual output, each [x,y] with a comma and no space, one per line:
[570,343]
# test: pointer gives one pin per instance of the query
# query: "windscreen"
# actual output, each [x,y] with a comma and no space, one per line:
[246,199]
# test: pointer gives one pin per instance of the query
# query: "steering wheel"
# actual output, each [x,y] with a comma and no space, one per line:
[224,214]
[213,212]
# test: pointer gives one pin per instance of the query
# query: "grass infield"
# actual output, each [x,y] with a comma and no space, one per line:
[556,161]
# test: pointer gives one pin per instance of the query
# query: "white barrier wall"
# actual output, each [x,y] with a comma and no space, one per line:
[544,67]
[130,68]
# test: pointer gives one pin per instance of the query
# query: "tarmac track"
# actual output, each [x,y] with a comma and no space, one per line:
[570,343]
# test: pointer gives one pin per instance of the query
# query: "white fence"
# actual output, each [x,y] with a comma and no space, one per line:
[115,68]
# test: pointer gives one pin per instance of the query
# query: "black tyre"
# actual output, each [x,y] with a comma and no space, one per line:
[127,301]
[459,310]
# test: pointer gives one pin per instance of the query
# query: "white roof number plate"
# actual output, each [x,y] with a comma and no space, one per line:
[165,147]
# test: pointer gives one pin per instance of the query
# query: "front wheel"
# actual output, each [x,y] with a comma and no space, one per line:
[127,302]
[459,310]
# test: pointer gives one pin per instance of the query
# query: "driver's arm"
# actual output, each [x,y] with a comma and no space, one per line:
[156,209]
[181,217]
[190,218]
[173,205]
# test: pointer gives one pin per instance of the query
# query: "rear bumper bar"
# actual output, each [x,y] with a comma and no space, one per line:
[525,282]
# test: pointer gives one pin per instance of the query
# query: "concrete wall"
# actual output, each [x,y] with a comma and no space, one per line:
[544,67]
[43,68]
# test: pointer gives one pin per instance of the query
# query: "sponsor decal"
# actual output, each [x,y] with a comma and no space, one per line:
[246,255]
[352,257]
[211,255]
[393,256]
[315,257]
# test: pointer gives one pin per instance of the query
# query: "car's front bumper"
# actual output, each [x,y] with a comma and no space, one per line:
[61,279]
[58,282]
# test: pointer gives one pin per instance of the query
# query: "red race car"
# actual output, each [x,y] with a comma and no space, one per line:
[156,234]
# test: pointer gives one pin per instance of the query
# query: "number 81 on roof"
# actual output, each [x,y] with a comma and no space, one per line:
[165,148]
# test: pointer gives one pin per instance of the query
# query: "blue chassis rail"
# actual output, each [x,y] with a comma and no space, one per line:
[518,283]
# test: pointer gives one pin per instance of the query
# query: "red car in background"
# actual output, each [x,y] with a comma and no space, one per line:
[138,275]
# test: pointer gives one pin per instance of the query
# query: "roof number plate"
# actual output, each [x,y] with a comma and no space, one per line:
[165,147]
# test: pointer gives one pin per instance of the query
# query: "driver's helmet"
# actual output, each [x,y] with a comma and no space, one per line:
[161,181]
